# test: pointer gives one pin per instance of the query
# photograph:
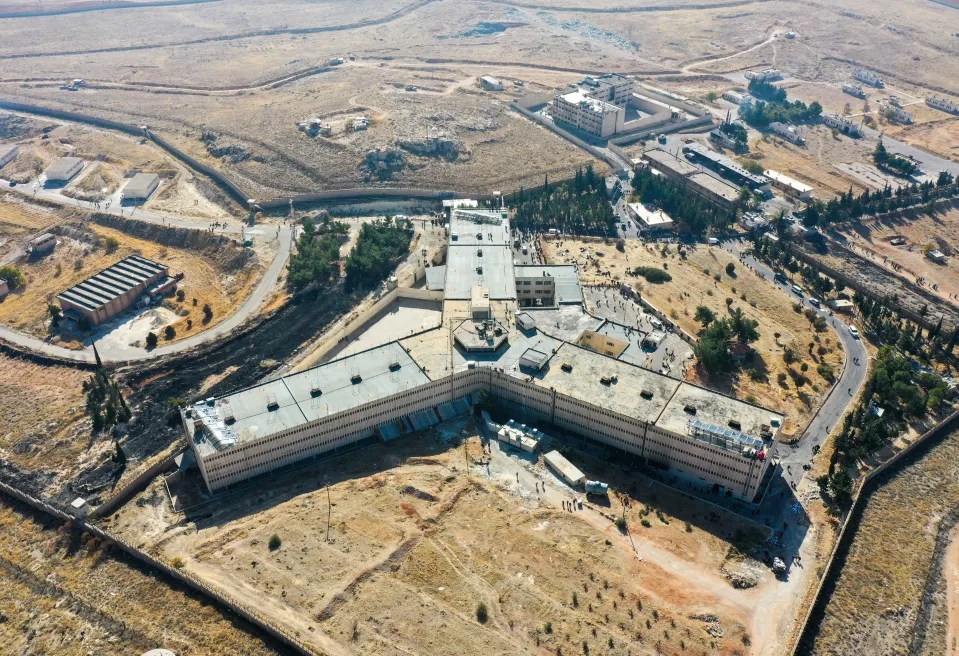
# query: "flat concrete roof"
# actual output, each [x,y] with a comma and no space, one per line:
[275,406]
[798,186]
[565,279]
[656,219]
[718,187]
[717,410]
[475,227]
[625,396]
[488,266]
[660,159]
[592,104]
[142,184]
[64,168]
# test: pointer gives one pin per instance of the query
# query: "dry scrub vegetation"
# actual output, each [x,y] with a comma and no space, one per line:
[416,547]
[878,597]
[700,278]
[66,593]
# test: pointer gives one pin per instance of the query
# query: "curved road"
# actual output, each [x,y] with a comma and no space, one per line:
[246,311]
[840,397]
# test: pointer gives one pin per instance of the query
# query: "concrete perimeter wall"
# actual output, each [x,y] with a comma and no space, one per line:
[866,485]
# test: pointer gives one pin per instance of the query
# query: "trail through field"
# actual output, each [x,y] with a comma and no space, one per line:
[951,570]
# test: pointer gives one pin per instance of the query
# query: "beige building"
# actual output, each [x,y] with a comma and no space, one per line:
[595,117]
[113,290]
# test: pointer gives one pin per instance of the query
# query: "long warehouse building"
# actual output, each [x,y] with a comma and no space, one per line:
[111,291]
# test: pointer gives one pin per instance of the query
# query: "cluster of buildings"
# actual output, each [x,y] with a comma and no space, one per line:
[597,107]
[487,348]
[712,189]
[725,166]
[112,291]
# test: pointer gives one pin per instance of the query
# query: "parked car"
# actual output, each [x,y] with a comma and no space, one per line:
[797,290]
[815,302]
[854,332]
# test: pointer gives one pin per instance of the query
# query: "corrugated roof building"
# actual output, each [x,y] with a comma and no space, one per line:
[110,292]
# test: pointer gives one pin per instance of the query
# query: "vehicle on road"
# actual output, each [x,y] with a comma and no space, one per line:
[854,332]
[797,290]
[712,241]
[815,302]
[779,276]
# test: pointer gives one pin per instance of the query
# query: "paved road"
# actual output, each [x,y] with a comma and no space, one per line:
[247,310]
[931,164]
[793,457]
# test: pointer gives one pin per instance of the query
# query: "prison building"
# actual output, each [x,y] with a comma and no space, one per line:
[789,186]
[8,153]
[843,124]
[668,164]
[716,191]
[725,166]
[567,471]
[868,77]
[650,219]
[63,170]
[787,132]
[612,88]
[141,187]
[385,391]
[113,290]
[595,117]
[547,285]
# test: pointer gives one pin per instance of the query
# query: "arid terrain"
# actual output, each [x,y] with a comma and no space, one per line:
[417,541]
[229,82]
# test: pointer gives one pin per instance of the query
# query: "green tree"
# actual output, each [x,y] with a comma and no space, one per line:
[152,340]
[704,315]
[14,277]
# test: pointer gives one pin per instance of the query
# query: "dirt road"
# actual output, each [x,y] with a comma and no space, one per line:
[951,571]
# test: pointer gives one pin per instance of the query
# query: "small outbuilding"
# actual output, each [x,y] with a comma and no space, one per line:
[63,170]
[8,153]
[491,83]
[141,187]
[936,256]
[564,468]
[43,244]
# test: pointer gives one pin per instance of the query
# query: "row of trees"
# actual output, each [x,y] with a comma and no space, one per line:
[774,106]
[104,403]
[579,206]
[694,213]
[848,206]
[893,161]
[378,250]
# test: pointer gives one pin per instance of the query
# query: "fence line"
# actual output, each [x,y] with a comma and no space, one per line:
[833,566]
[217,596]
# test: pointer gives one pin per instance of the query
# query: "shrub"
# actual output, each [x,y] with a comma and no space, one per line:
[207,313]
[548,628]
[621,524]
[731,270]
[652,274]
[152,340]
[169,332]
[177,562]
[482,614]
[645,523]
[14,277]
[180,295]
[110,245]
[275,542]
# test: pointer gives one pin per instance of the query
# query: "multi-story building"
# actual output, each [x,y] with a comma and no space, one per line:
[595,117]
[416,382]
[612,88]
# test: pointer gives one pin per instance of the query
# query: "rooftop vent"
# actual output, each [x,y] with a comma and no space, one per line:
[356,379]
[394,366]
[479,252]
[479,236]
[605,380]
[690,410]
[646,394]
[273,405]
[454,237]
[479,270]
[315,392]
[735,425]
[567,367]
[229,420]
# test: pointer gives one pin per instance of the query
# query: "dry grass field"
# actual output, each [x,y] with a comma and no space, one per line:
[694,283]
[875,606]
[416,544]
[68,594]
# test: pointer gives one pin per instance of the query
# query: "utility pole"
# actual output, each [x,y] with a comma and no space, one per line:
[329,512]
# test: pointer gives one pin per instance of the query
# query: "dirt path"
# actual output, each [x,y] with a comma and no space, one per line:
[951,571]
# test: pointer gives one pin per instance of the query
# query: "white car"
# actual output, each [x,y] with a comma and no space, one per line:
[854,332]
